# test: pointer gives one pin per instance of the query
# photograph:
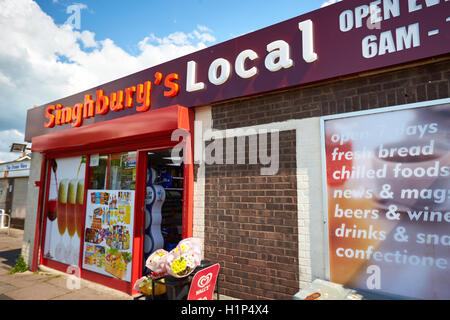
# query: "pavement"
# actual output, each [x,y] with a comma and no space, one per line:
[46,284]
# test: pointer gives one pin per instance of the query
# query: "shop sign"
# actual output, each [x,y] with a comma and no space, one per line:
[141,95]
[346,38]
[13,170]
[15,166]
[388,198]
[203,283]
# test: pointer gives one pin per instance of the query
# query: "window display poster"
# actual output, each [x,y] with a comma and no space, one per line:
[108,240]
[388,198]
[65,212]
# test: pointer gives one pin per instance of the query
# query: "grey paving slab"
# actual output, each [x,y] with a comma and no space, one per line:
[5,287]
[57,280]
[85,294]
[39,291]
[4,270]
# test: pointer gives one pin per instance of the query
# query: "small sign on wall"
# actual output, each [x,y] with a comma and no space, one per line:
[94,160]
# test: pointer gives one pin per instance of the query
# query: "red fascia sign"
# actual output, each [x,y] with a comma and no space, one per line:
[345,38]
[117,101]
[203,283]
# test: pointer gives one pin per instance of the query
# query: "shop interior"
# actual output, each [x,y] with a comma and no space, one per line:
[164,201]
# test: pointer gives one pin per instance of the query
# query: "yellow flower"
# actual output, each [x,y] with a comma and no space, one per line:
[178,266]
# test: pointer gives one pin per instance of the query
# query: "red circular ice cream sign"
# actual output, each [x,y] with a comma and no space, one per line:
[203,283]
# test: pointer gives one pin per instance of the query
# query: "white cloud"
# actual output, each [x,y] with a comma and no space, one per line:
[203,28]
[4,80]
[88,39]
[41,61]
[330,2]
[204,37]
[7,138]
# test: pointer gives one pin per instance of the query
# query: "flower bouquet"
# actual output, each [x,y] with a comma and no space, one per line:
[156,262]
[183,260]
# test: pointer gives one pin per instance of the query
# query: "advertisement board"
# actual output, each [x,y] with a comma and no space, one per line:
[203,283]
[388,200]
[108,240]
[65,212]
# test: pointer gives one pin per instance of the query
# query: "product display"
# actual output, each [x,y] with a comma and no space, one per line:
[108,235]
[116,262]
[155,197]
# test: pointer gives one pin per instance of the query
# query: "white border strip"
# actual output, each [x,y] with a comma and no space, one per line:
[325,198]
[429,103]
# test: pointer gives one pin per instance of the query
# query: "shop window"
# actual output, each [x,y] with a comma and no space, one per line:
[122,174]
[65,214]
[116,171]
[109,223]
[97,172]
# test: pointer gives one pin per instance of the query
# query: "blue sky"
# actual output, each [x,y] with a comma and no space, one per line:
[48,53]
[128,22]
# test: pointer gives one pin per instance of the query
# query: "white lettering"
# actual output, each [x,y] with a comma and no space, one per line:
[216,77]
[410,38]
[431,3]
[191,78]
[405,38]
[240,64]
[386,43]
[346,20]
[361,12]
[369,47]
[279,56]
[308,41]
[413,6]
[391,7]
[375,12]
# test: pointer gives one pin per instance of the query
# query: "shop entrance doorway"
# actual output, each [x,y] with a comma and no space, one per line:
[163,210]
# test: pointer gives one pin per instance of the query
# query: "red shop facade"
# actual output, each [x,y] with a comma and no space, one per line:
[106,150]
[122,172]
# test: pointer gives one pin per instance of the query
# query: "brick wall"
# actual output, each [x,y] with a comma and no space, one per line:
[416,84]
[251,226]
